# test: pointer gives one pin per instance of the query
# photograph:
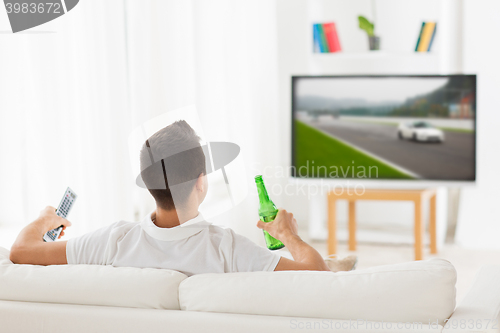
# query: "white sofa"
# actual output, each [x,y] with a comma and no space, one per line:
[410,297]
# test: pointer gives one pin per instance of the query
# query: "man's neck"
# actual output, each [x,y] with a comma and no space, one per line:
[172,218]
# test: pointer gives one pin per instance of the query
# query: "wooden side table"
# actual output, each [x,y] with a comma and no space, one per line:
[417,196]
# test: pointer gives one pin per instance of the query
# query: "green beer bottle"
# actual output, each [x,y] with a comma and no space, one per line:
[267,213]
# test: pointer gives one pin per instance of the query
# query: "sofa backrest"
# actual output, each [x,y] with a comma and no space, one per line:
[90,285]
[419,291]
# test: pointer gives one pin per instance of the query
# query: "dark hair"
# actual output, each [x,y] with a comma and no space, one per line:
[171,162]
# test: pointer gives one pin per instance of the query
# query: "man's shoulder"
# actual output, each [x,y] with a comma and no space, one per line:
[216,229]
[226,233]
[120,227]
[123,226]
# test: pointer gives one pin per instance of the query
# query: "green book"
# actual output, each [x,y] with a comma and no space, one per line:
[322,39]
[420,36]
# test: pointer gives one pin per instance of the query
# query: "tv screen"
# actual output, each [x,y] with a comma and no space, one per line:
[384,127]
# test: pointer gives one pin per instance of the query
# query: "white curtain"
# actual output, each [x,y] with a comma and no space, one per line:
[64,118]
[70,97]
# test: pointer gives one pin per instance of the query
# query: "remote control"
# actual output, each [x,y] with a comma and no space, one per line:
[62,211]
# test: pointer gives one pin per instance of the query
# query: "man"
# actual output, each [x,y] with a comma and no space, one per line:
[175,236]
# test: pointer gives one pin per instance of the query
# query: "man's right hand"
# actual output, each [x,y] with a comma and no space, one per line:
[282,227]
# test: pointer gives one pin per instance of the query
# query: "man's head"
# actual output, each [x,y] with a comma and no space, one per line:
[173,167]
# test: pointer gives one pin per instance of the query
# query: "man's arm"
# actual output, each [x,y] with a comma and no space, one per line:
[29,247]
[284,228]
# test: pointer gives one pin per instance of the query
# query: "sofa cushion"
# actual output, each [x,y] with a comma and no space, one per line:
[411,292]
[90,285]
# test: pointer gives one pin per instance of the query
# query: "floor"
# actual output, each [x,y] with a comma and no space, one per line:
[466,261]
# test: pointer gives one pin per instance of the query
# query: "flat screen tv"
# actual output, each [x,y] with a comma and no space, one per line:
[412,127]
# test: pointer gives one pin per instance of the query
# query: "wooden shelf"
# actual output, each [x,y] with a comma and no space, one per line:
[375,55]
[373,62]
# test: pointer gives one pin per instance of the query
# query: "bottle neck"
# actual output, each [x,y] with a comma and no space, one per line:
[261,190]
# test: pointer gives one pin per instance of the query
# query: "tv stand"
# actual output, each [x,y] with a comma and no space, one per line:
[416,196]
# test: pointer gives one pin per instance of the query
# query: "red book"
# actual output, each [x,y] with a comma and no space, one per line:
[332,38]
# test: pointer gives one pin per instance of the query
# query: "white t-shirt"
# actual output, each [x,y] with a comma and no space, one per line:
[193,247]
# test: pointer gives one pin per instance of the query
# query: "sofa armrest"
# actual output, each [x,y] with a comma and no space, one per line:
[479,310]
[4,256]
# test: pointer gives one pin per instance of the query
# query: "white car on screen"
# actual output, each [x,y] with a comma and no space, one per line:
[420,131]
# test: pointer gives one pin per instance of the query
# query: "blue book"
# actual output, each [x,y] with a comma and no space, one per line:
[317,40]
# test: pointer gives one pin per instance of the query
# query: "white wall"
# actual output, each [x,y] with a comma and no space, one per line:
[479,214]
[398,24]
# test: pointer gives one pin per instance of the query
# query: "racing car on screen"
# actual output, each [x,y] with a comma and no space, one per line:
[420,131]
